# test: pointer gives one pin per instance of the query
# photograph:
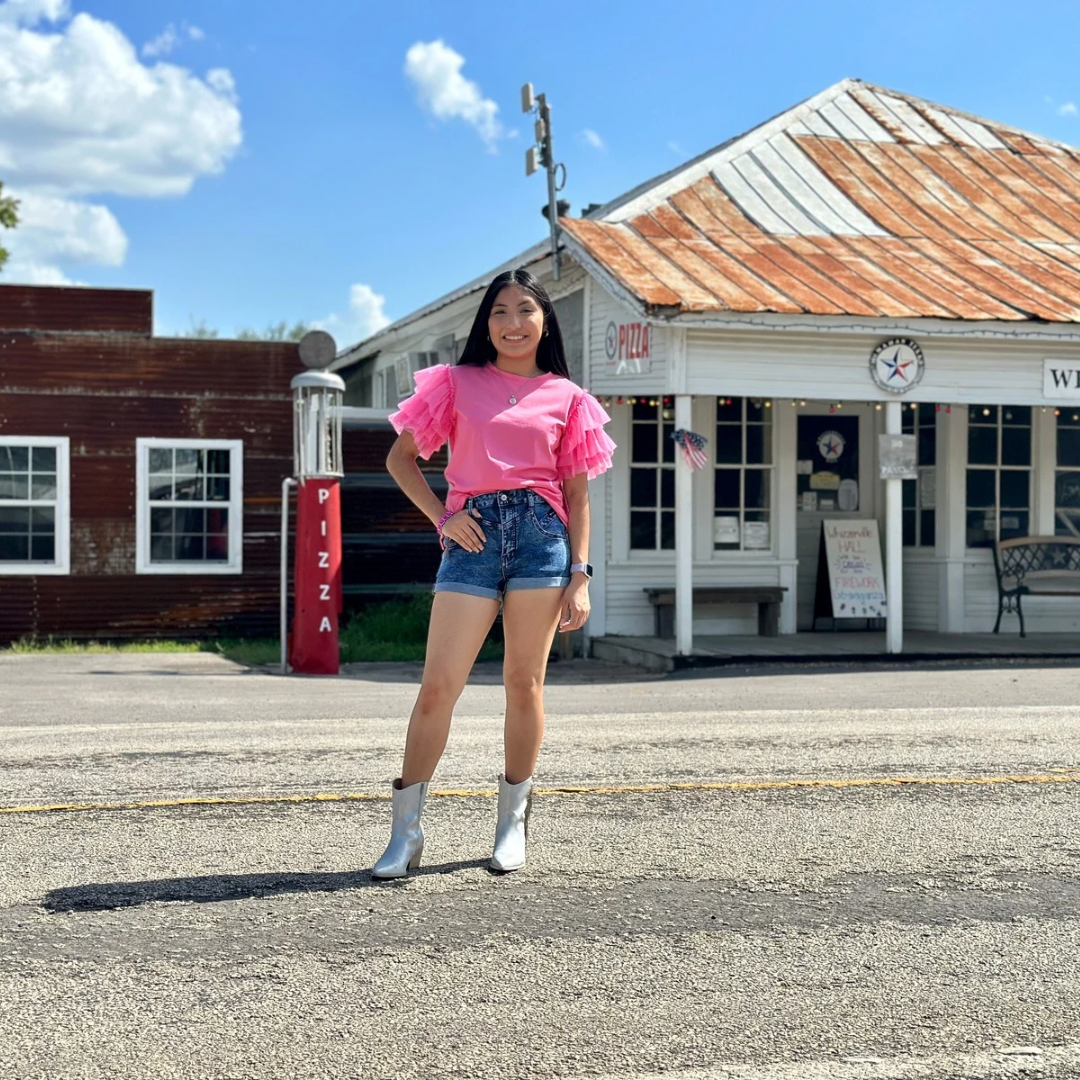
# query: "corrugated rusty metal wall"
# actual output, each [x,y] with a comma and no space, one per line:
[51,307]
[104,391]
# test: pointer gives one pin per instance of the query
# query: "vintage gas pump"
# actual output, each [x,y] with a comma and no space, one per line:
[317,398]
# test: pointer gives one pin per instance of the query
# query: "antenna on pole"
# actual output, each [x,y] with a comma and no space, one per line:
[543,155]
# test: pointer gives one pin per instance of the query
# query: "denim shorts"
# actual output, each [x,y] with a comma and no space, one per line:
[526,547]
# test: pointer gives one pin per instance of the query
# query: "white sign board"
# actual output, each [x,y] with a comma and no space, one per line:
[1061,380]
[856,574]
[897,456]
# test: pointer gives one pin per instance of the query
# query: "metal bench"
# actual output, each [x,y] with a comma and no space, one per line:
[1035,566]
[767,597]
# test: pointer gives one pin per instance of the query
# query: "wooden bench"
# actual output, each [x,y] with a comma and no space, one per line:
[767,597]
[1035,566]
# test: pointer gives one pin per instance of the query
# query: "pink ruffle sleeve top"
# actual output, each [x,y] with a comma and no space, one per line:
[553,432]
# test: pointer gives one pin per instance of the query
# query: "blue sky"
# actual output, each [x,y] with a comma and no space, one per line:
[259,161]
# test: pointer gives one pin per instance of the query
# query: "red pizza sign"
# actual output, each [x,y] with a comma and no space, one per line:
[626,345]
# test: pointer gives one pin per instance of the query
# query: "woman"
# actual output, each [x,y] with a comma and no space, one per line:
[524,443]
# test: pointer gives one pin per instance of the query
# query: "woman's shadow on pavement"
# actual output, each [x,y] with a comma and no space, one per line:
[219,888]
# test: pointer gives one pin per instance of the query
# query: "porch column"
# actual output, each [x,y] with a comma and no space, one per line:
[684,537]
[894,543]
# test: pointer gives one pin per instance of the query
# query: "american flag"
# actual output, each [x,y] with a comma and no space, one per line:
[692,446]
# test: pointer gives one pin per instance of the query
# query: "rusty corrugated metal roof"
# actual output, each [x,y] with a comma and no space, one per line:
[861,201]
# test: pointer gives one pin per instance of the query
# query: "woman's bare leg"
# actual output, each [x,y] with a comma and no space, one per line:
[459,624]
[530,619]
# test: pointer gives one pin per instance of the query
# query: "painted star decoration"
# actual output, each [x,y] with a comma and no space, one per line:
[896,367]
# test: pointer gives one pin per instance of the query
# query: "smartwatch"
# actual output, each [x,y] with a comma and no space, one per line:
[584,567]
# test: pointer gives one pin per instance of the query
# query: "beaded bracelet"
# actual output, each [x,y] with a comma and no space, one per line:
[448,514]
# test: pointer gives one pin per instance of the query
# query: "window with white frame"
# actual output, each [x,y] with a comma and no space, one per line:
[405,367]
[652,476]
[998,473]
[189,515]
[920,494]
[744,475]
[1067,475]
[35,495]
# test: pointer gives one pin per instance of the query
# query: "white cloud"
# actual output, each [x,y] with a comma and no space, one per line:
[435,69]
[81,115]
[29,12]
[221,80]
[170,39]
[163,44]
[593,139]
[368,310]
[675,148]
[55,230]
[367,316]
[30,273]
[1068,109]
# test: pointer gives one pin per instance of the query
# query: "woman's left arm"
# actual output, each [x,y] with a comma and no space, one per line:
[576,606]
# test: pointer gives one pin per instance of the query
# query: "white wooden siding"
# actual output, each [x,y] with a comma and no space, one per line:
[1042,614]
[810,365]
[604,309]
[921,576]
[835,367]
[629,611]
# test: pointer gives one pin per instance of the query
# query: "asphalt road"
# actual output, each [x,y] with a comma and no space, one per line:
[767,875]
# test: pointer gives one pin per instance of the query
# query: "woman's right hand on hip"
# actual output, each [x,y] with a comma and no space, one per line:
[464,530]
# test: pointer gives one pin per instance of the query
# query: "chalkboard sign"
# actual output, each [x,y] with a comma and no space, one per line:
[851,560]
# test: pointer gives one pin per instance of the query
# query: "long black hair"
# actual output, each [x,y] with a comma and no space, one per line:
[550,354]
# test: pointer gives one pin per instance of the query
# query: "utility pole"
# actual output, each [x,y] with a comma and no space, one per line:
[542,154]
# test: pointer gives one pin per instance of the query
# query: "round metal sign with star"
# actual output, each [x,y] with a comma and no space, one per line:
[831,445]
[611,341]
[897,365]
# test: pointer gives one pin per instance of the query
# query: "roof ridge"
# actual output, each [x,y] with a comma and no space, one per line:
[655,191]
[952,110]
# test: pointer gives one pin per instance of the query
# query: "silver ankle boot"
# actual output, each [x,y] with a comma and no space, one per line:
[512,830]
[406,833]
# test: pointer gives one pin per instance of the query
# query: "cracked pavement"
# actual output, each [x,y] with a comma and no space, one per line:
[744,933]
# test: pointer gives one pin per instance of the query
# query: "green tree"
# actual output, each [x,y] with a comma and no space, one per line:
[9,218]
[199,330]
[281,331]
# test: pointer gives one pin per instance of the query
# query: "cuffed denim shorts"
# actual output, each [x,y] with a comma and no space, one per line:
[527,547]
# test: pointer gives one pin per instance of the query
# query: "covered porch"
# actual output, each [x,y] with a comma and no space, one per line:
[661,654]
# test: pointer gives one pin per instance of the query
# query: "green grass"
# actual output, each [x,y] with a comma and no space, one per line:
[52,644]
[252,652]
[395,630]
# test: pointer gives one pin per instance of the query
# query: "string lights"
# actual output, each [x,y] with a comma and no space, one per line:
[609,400]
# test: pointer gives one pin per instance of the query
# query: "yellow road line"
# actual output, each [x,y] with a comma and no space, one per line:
[1065,777]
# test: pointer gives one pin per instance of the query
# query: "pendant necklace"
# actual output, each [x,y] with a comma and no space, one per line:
[512,398]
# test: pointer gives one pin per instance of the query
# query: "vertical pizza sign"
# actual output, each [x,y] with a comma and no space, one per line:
[318,578]
[318,466]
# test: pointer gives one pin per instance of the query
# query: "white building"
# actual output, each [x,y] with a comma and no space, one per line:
[743,296]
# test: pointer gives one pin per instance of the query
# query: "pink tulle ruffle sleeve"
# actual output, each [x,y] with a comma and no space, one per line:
[586,447]
[429,412]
